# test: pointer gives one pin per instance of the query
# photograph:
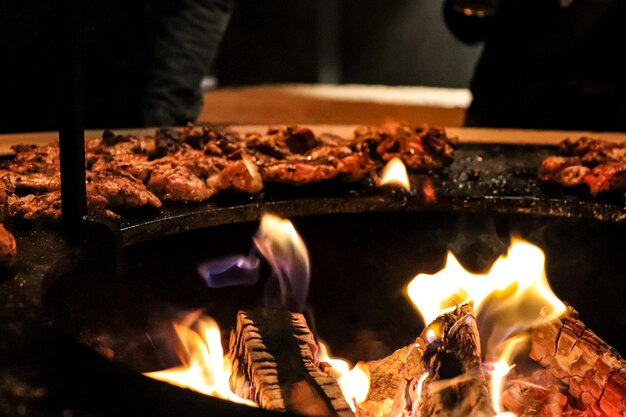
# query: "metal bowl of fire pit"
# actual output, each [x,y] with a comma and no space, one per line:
[357,303]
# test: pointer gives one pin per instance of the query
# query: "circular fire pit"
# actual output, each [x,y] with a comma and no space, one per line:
[360,266]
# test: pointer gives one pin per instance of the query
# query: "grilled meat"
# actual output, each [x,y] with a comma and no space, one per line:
[423,148]
[120,190]
[610,176]
[567,171]
[36,206]
[594,151]
[178,183]
[596,163]
[8,248]
[295,156]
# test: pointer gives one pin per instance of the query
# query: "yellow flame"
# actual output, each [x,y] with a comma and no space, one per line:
[353,381]
[502,367]
[514,291]
[394,174]
[206,369]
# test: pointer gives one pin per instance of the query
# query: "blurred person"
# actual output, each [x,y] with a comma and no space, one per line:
[546,64]
[142,61]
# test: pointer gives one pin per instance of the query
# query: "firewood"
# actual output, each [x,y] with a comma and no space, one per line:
[272,353]
[455,384]
[536,395]
[389,379]
[594,372]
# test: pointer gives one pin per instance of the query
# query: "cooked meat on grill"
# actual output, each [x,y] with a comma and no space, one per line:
[114,144]
[136,165]
[41,154]
[422,148]
[567,171]
[120,190]
[294,155]
[597,163]
[594,151]
[610,176]
[8,248]
[280,143]
[36,206]
[241,175]
[178,183]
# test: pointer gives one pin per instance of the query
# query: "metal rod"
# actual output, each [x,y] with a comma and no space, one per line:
[71,127]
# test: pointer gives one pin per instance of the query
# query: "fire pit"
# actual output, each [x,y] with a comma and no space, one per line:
[120,294]
[360,263]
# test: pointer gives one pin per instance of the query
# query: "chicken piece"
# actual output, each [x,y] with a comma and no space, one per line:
[610,176]
[594,151]
[33,207]
[279,143]
[114,144]
[567,171]
[298,172]
[120,190]
[136,165]
[178,183]
[241,175]
[421,148]
[8,247]
[41,154]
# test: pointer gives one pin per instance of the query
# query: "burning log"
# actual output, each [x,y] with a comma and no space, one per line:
[594,372]
[273,357]
[389,379]
[455,384]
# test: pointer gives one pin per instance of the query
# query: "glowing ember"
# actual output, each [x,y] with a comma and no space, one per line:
[354,382]
[205,368]
[394,174]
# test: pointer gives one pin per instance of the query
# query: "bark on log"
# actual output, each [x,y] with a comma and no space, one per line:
[272,353]
[594,372]
[455,385]
[392,379]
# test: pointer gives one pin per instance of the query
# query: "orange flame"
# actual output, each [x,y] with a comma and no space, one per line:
[509,299]
[394,174]
[515,290]
[353,381]
[205,368]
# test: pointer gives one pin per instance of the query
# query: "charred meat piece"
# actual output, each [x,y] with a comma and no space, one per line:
[597,163]
[114,144]
[421,148]
[41,154]
[178,183]
[567,171]
[610,176]
[136,165]
[241,175]
[47,206]
[120,190]
[36,206]
[8,248]
[279,143]
[594,151]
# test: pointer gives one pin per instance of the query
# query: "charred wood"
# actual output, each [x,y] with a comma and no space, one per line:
[392,381]
[594,372]
[455,384]
[273,357]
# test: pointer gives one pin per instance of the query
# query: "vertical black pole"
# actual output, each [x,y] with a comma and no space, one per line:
[71,128]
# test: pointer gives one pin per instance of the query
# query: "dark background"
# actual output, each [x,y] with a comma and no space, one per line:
[400,42]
